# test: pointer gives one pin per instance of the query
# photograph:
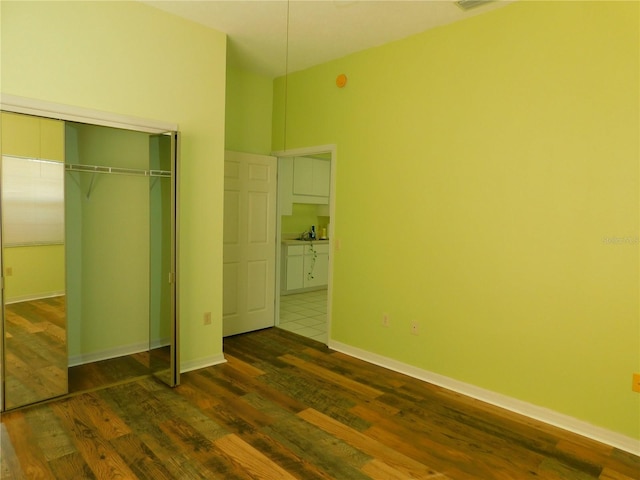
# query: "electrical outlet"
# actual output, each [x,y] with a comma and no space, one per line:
[414,328]
[636,382]
[385,319]
[9,271]
[207,318]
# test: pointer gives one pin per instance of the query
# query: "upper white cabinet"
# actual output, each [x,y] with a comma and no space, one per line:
[303,180]
[311,180]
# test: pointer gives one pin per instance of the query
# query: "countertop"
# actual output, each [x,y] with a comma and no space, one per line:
[305,242]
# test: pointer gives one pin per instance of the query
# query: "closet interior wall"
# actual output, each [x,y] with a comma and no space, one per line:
[107,244]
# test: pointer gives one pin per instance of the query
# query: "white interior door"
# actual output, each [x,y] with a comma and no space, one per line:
[249,256]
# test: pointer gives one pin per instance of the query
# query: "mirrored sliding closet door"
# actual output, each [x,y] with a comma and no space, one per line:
[89,222]
[34,356]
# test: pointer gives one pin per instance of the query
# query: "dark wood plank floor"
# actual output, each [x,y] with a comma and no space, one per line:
[35,350]
[287,407]
[36,356]
[91,376]
[126,368]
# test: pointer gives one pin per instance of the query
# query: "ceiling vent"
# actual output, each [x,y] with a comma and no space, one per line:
[469,4]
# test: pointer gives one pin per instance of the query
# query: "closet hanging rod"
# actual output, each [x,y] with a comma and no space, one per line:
[74,167]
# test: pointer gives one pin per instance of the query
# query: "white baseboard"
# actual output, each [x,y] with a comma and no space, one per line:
[545,415]
[83,358]
[117,352]
[202,363]
[144,347]
[33,296]
[159,343]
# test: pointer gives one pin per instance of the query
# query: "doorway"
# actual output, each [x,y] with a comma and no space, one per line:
[268,211]
[306,206]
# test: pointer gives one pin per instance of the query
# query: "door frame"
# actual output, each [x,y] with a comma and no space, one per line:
[331,149]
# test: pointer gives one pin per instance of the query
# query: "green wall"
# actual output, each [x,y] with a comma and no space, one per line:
[132,59]
[107,219]
[249,103]
[37,271]
[492,161]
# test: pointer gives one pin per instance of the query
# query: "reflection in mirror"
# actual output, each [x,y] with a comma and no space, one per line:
[35,347]
[162,344]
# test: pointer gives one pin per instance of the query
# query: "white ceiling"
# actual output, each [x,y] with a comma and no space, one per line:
[317,30]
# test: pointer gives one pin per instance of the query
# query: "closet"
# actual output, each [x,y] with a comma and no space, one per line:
[89,223]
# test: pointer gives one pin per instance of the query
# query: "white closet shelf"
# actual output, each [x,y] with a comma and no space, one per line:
[76,167]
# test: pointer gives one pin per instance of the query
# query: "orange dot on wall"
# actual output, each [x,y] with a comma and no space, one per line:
[341,80]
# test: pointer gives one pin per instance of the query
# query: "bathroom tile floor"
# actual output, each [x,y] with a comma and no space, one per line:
[305,314]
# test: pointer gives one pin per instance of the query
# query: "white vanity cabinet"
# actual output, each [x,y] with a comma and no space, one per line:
[305,266]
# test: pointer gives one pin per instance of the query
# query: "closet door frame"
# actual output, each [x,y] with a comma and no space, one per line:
[175,222]
[57,111]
